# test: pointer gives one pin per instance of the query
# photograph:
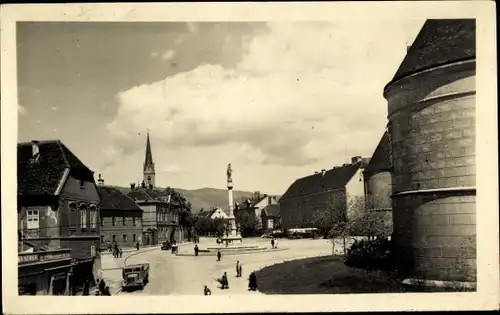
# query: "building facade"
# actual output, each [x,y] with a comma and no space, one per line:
[270,217]
[58,207]
[121,218]
[431,105]
[255,205]
[320,191]
[378,186]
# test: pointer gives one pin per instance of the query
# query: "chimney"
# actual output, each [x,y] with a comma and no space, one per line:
[100,181]
[355,159]
[323,171]
[132,186]
[35,149]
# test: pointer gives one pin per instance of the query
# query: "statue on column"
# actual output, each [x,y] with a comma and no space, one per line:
[229,173]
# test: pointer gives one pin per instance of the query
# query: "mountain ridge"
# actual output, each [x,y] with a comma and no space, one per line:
[205,197]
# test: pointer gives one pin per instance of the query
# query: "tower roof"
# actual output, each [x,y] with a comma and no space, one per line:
[149,156]
[439,42]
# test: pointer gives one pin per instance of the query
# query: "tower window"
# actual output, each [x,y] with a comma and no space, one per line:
[149,178]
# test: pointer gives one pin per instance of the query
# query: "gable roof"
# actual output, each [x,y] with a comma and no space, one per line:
[40,176]
[272,210]
[151,195]
[380,159]
[335,178]
[439,42]
[113,199]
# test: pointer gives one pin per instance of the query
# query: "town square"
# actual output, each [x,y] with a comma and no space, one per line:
[252,158]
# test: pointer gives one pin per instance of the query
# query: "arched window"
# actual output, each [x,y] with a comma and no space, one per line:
[93,216]
[83,215]
[72,206]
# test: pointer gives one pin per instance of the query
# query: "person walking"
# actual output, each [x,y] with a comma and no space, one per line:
[218,255]
[137,245]
[252,281]
[106,291]
[225,282]
[207,291]
[86,287]
[272,243]
[196,250]
[237,269]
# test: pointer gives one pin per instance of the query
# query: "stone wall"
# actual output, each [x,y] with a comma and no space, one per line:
[432,129]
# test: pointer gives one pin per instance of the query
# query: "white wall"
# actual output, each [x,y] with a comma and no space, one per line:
[219,214]
[355,188]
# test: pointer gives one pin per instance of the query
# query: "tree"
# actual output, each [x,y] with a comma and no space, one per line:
[366,220]
[247,221]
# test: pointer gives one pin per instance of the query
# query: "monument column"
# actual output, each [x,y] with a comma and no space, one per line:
[233,236]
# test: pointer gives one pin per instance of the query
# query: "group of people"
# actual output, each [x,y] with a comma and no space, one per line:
[103,289]
[117,251]
[252,279]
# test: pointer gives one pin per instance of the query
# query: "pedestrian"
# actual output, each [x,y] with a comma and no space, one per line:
[137,245]
[237,269]
[106,291]
[86,287]
[218,255]
[225,282]
[196,249]
[252,281]
[121,252]
[272,243]
[102,286]
[207,291]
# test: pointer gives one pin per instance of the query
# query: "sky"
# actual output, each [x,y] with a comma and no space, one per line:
[278,101]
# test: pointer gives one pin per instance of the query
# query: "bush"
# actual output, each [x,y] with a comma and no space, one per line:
[371,255]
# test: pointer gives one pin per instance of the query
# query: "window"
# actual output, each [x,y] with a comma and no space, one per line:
[134,223]
[93,216]
[32,217]
[134,237]
[114,238]
[113,221]
[124,238]
[124,220]
[83,216]
[92,251]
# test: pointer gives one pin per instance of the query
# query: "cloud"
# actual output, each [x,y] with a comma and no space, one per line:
[169,54]
[172,169]
[54,109]
[301,93]
[21,109]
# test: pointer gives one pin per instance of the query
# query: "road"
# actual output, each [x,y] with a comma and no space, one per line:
[182,275]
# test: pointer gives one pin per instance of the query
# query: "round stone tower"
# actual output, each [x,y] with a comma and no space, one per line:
[431,111]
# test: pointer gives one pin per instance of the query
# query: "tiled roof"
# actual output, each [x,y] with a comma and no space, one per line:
[144,193]
[440,42]
[335,178]
[40,176]
[272,210]
[380,159]
[113,199]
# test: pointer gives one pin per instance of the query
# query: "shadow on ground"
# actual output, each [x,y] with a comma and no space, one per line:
[323,275]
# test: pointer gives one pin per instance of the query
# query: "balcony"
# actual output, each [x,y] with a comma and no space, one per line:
[26,258]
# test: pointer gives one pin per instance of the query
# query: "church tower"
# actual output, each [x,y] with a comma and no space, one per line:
[149,166]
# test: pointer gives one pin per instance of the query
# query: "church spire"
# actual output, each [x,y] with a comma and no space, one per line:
[149,166]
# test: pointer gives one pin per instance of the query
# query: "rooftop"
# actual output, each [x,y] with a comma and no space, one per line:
[439,42]
[113,199]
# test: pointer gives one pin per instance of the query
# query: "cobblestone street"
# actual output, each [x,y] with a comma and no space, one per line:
[178,275]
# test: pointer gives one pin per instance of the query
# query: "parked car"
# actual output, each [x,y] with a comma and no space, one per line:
[135,276]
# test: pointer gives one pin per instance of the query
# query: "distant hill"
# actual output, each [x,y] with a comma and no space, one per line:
[204,197]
